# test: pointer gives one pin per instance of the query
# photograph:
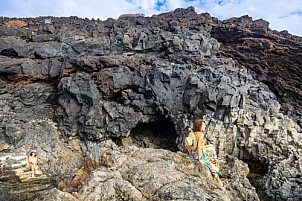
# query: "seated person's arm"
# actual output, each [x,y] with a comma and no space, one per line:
[29,160]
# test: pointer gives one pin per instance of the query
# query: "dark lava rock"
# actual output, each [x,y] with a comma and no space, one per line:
[68,85]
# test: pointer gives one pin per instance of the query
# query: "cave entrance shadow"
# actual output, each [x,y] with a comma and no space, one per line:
[159,134]
[257,170]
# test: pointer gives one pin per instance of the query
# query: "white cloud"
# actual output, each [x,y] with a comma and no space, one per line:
[291,23]
[277,12]
[271,10]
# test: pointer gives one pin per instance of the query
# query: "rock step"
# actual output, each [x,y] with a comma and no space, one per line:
[20,185]
[37,177]
[23,172]
[18,158]
[19,165]
[22,169]
[11,159]
[29,182]
[4,156]
[32,189]
[26,176]
[16,164]
[4,178]
[24,186]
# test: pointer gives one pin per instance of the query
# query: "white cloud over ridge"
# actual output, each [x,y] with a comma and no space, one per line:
[282,14]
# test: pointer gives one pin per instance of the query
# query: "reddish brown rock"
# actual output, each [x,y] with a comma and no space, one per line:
[273,57]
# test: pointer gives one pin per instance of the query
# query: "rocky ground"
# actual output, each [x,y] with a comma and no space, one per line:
[132,173]
[74,89]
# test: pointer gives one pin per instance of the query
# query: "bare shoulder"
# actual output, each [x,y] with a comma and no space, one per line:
[199,135]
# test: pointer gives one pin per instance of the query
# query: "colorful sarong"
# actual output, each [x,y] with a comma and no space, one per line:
[209,157]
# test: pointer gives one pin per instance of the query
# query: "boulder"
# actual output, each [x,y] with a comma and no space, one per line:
[54,194]
[159,174]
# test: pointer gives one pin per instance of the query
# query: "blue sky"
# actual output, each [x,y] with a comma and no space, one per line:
[282,14]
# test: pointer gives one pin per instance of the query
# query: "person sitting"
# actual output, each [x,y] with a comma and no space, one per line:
[33,163]
[205,154]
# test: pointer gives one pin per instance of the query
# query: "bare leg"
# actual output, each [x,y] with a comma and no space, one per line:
[202,162]
[219,181]
[36,167]
[32,169]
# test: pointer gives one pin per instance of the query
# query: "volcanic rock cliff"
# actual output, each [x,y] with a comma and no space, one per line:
[107,105]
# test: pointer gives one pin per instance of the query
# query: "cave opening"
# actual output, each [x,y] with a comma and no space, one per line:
[257,170]
[159,134]
[258,166]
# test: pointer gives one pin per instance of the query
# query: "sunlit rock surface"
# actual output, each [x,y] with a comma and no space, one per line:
[69,85]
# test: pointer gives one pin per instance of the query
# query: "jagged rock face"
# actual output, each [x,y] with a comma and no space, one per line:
[283,181]
[242,114]
[68,85]
[272,57]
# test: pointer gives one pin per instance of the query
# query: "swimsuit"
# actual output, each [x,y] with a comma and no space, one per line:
[32,160]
